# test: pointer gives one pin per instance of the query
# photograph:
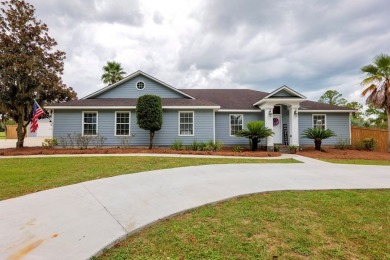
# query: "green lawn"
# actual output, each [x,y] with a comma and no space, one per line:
[358,161]
[289,225]
[23,176]
[2,135]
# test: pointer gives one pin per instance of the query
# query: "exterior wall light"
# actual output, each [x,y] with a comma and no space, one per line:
[270,113]
[296,112]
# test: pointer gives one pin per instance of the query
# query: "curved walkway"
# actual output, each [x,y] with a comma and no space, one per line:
[77,221]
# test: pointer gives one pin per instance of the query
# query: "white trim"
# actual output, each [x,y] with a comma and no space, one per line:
[52,123]
[116,114]
[191,107]
[312,119]
[193,123]
[130,107]
[284,101]
[131,76]
[350,129]
[239,110]
[230,123]
[97,122]
[289,90]
[214,126]
[326,111]
[136,85]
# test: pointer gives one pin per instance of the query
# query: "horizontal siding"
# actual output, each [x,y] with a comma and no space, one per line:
[222,127]
[128,90]
[338,122]
[70,122]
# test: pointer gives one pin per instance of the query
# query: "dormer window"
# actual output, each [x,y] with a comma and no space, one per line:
[140,85]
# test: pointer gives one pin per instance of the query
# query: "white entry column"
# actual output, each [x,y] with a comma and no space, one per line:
[293,123]
[268,121]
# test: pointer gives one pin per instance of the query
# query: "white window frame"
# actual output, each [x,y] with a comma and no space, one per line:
[97,122]
[230,122]
[312,120]
[116,116]
[193,123]
[136,85]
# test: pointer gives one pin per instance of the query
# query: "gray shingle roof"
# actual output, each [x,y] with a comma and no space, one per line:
[228,98]
[105,102]
[234,99]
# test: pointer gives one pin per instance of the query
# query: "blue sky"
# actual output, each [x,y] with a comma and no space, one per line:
[310,46]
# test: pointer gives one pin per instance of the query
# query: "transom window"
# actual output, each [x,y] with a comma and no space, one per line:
[122,123]
[236,123]
[89,123]
[140,85]
[186,123]
[319,121]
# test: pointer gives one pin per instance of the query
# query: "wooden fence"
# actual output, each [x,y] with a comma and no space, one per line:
[10,132]
[379,135]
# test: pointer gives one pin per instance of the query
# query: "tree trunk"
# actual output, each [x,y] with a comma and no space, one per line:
[21,130]
[254,144]
[388,129]
[317,144]
[151,136]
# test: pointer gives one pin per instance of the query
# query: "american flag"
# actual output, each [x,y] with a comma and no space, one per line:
[37,112]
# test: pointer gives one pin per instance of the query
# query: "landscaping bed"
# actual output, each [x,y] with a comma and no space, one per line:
[51,151]
[331,153]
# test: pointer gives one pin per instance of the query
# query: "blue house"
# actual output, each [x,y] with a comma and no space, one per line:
[197,114]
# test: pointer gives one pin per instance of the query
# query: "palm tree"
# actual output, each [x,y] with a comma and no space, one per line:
[317,134]
[113,72]
[378,82]
[255,131]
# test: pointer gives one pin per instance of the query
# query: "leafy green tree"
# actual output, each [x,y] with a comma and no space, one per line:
[378,86]
[376,117]
[149,115]
[30,67]
[113,72]
[255,131]
[333,97]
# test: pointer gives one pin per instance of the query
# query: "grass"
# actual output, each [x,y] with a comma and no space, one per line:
[27,175]
[2,135]
[359,161]
[288,225]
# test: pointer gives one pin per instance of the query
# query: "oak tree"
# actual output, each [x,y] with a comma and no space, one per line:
[30,67]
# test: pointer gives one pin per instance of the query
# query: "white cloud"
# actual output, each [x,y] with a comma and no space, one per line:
[310,46]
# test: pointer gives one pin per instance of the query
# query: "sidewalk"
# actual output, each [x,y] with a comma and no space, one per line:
[78,221]
[28,141]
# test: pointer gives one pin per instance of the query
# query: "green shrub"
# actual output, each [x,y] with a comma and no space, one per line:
[238,148]
[342,144]
[276,148]
[177,145]
[369,144]
[49,142]
[194,145]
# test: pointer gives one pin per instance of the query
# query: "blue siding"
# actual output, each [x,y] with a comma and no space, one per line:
[128,90]
[70,122]
[222,127]
[338,122]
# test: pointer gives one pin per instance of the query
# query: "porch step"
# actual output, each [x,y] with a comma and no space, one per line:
[284,148]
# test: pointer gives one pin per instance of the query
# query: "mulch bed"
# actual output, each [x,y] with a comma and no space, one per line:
[331,153]
[49,151]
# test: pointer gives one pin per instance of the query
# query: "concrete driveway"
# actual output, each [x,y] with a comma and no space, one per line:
[77,221]
[28,142]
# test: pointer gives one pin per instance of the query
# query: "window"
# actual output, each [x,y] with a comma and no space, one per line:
[122,123]
[89,123]
[186,123]
[236,122]
[319,121]
[140,85]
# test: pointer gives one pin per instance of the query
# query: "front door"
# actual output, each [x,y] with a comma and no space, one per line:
[277,123]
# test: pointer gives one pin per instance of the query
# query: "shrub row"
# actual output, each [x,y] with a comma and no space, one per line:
[197,146]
